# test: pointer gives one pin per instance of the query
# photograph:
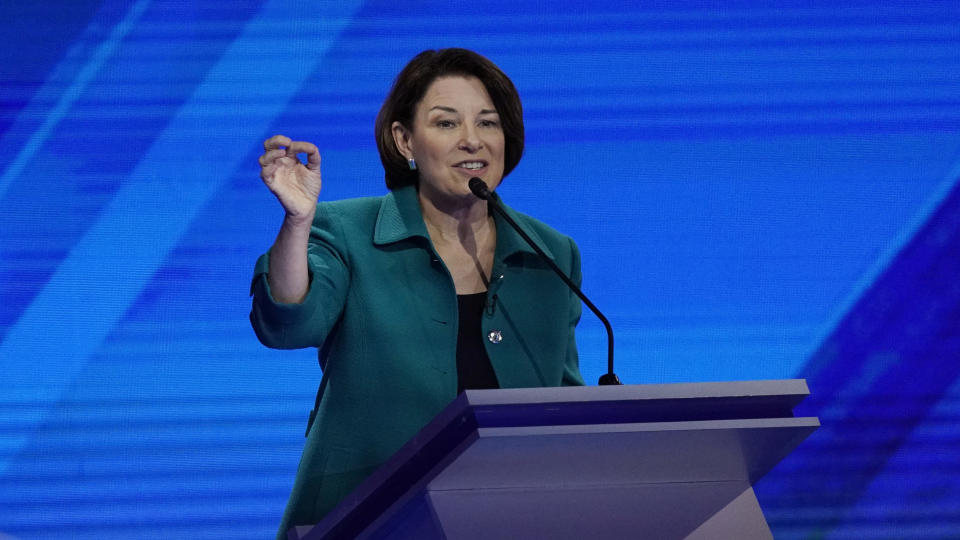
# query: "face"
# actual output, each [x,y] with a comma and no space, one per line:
[456,135]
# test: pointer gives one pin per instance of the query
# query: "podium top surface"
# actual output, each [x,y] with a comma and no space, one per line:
[584,405]
[782,389]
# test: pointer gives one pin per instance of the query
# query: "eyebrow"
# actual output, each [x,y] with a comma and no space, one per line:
[452,110]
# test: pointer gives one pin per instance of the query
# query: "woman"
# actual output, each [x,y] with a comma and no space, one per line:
[416,295]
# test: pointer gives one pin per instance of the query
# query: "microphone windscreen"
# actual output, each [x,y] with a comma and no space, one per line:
[479,188]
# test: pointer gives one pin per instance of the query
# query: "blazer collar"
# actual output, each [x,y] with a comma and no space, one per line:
[510,243]
[400,219]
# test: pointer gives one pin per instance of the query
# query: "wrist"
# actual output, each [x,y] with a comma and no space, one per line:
[297,222]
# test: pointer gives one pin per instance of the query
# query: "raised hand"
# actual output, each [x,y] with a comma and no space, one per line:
[296,186]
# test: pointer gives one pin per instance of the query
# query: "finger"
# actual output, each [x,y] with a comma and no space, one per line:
[276,141]
[286,161]
[267,173]
[271,155]
[300,147]
[310,149]
[313,159]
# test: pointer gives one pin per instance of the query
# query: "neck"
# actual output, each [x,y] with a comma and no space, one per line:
[462,220]
[464,236]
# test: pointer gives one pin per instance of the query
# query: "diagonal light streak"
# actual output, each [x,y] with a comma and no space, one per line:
[52,118]
[197,152]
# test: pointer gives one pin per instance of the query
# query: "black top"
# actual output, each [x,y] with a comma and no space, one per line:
[474,370]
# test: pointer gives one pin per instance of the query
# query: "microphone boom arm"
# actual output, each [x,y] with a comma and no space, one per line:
[480,189]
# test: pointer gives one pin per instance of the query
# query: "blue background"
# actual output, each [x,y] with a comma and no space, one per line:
[759,190]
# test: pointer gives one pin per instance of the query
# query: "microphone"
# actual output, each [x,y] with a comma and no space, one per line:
[480,189]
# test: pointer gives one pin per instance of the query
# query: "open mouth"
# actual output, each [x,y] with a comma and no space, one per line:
[474,165]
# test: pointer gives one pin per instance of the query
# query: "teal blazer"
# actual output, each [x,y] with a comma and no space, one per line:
[382,309]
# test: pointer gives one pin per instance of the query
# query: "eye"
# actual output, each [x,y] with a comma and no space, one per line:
[489,123]
[446,124]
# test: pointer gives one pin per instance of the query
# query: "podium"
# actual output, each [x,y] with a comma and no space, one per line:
[667,461]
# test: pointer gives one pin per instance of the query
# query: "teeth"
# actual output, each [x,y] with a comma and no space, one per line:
[472,165]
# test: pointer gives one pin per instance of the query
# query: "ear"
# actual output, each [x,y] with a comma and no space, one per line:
[402,137]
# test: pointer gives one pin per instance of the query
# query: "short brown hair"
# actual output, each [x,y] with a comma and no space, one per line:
[411,85]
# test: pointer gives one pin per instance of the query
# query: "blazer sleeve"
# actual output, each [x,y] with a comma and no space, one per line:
[571,366]
[307,324]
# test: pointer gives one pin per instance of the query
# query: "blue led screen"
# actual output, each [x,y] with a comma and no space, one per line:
[758,191]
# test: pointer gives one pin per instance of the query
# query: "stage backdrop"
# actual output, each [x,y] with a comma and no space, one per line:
[759,190]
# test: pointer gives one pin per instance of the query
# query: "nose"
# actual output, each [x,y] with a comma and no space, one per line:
[470,139]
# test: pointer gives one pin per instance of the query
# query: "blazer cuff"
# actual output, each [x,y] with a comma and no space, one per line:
[268,309]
